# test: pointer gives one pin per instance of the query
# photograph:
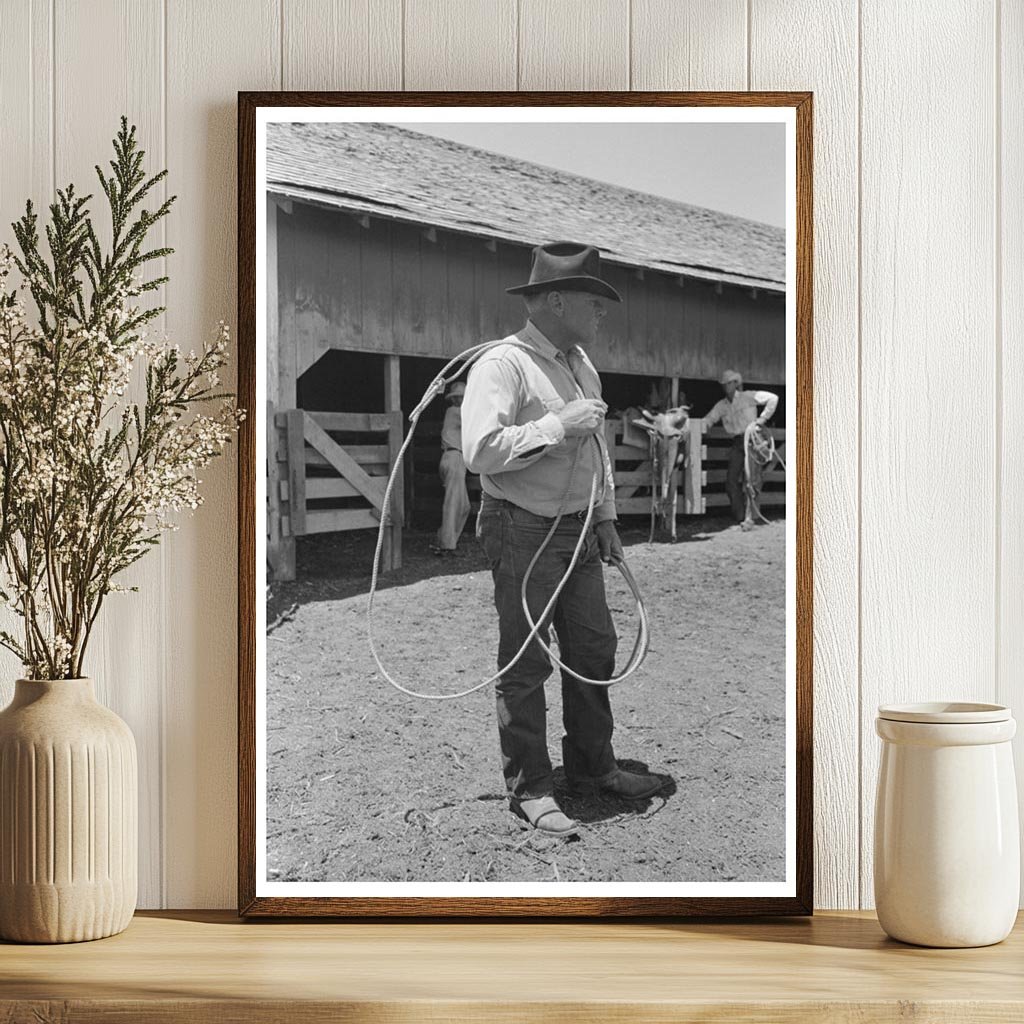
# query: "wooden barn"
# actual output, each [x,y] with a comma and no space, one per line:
[389,252]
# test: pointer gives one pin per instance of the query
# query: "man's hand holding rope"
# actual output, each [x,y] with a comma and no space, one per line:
[608,542]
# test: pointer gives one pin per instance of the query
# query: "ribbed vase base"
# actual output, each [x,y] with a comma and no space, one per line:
[63,913]
[68,815]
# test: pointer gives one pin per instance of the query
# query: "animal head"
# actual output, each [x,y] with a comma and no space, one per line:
[665,429]
[670,423]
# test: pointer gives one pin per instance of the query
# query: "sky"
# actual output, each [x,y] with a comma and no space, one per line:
[736,168]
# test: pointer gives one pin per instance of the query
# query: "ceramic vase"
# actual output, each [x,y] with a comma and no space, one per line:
[947,847]
[68,815]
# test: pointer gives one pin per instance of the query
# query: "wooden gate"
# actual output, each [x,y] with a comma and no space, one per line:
[317,484]
[702,475]
[707,466]
[631,470]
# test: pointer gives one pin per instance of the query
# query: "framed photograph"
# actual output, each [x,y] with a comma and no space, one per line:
[525,504]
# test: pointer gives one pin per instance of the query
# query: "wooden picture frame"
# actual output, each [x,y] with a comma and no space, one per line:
[253,901]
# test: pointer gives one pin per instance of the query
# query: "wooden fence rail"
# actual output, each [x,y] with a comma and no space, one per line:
[346,480]
[702,474]
[707,465]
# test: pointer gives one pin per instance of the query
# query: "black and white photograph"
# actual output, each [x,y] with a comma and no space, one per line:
[526,445]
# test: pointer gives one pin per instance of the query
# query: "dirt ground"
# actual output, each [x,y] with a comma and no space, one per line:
[366,784]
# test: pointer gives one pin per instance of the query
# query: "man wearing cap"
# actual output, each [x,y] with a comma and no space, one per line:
[736,412]
[455,510]
[532,427]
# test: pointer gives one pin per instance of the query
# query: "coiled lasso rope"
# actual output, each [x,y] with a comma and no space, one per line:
[642,644]
[758,446]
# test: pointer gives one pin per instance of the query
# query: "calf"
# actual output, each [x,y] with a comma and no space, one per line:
[664,430]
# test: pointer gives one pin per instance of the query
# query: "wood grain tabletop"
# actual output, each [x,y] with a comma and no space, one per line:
[209,966]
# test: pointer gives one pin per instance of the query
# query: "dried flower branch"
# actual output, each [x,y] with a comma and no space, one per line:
[89,479]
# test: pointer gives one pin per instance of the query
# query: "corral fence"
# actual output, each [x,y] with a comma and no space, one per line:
[707,464]
[327,472]
[701,476]
[702,473]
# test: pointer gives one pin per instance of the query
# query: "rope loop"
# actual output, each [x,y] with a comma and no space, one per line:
[642,643]
[759,447]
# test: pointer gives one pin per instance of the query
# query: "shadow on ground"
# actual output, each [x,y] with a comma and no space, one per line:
[595,808]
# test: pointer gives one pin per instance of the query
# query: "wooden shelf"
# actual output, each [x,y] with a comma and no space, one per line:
[208,966]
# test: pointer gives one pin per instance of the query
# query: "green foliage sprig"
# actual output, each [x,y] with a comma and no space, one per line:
[88,477]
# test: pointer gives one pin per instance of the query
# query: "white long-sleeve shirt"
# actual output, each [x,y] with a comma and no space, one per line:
[738,414]
[512,437]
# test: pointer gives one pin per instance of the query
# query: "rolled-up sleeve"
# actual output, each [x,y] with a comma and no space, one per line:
[492,442]
[769,400]
[606,510]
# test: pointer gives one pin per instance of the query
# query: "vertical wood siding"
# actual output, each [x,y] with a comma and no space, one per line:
[341,44]
[213,51]
[574,44]
[919,309]
[460,44]
[1008,186]
[365,288]
[700,44]
[781,58]
[26,127]
[928,517]
[126,656]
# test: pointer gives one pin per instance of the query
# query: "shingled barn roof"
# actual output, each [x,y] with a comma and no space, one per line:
[387,171]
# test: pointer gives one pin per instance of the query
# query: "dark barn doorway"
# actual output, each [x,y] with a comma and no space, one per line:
[345,381]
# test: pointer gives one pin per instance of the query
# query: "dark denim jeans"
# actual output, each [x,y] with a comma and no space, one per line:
[736,479]
[510,536]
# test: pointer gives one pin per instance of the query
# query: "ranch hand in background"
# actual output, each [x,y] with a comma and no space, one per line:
[455,510]
[526,413]
[737,411]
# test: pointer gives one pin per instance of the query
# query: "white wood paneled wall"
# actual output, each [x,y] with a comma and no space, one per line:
[919,324]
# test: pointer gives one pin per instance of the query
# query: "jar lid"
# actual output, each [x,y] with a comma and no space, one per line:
[945,712]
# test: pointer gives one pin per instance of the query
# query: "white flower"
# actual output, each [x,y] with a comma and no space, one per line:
[95,498]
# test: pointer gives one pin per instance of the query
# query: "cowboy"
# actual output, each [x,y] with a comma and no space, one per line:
[532,427]
[737,411]
[455,510]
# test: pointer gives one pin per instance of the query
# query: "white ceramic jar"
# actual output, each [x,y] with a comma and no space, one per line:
[947,847]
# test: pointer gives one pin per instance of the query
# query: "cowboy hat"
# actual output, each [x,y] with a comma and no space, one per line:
[566,266]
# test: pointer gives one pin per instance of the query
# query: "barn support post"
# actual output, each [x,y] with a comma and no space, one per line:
[279,566]
[392,552]
[296,446]
[693,482]
[287,359]
[280,545]
[398,494]
[273,312]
